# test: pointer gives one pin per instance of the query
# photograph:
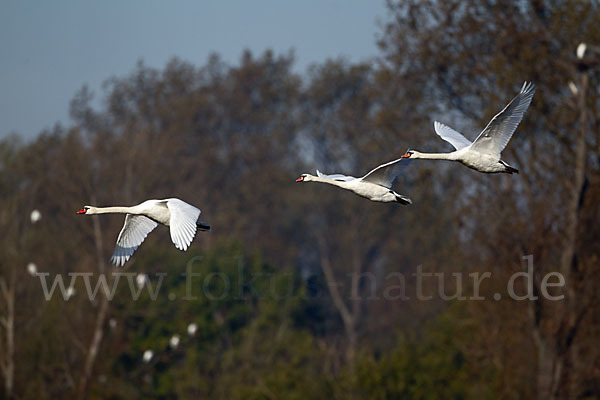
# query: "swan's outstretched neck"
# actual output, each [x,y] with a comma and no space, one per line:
[111,210]
[435,156]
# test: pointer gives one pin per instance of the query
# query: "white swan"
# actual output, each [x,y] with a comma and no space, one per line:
[140,220]
[375,186]
[483,154]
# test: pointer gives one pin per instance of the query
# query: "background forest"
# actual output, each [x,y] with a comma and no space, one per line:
[295,297]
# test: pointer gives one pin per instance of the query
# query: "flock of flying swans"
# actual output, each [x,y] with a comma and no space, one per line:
[483,155]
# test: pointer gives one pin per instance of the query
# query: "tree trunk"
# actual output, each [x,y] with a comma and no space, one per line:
[556,351]
[98,334]
[8,322]
[545,373]
[94,347]
[349,317]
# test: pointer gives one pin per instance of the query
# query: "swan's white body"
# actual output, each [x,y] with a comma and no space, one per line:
[375,186]
[140,220]
[483,154]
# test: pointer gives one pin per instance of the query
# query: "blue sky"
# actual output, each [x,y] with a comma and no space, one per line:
[50,49]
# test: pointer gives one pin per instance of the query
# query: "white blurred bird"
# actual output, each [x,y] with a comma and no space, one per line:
[35,216]
[147,356]
[32,269]
[140,220]
[191,329]
[140,280]
[581,50]
[70,292]
[174,341]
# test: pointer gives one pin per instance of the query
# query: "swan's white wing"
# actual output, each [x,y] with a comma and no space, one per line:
[336,177]
[134,231]
[386,174]
[182,223]
[451,136]
[494,138]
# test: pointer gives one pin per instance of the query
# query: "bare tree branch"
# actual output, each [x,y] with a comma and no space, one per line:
[332,283]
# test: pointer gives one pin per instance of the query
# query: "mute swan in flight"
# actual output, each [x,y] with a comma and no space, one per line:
[140,220]
[375,186]
[483,154]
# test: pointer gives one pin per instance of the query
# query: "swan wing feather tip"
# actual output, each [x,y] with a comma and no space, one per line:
[498,132]
[451,136]
[385,174]
[183,223]
[135,229]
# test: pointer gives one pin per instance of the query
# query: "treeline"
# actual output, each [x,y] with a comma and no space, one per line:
[304,291]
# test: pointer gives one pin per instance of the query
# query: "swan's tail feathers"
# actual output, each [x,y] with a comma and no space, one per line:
[509,169]
[203,226]
[402,200]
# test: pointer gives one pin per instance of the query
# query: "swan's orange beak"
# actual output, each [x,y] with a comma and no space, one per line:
[300,179]
[82,211]
[407,155]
